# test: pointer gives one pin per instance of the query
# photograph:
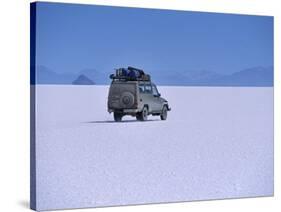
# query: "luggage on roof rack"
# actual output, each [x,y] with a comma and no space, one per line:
[136,69]
[130,74]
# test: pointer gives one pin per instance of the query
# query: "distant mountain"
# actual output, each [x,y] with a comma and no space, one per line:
[44,75]
[256,76]
[83,80]
[202,77]
[95,75]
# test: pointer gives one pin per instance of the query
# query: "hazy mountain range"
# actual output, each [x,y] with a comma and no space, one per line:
[45,75]
[256,76]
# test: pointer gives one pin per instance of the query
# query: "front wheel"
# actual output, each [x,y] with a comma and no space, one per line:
[142,116]
[117,117]
[164,113]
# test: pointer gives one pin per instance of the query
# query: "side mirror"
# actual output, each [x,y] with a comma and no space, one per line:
[111,76]
[157,95]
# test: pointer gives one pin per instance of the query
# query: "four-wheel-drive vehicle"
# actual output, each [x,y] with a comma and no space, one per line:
[132,93]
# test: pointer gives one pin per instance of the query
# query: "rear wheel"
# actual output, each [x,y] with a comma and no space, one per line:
[117,117]
[164,113]
[142,116]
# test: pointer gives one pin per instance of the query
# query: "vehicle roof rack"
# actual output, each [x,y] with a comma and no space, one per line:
[130,74]
[145,77]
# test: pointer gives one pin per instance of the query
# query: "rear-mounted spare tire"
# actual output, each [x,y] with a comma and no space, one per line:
[127,99]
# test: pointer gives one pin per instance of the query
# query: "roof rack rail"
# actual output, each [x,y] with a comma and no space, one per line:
[145,77]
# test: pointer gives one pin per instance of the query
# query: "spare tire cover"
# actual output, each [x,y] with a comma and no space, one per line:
[127,99]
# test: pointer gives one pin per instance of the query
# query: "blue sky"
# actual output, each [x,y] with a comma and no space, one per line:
[73,37]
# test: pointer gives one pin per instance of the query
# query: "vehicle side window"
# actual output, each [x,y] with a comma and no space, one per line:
[154,90]
[141,88]
[148,88]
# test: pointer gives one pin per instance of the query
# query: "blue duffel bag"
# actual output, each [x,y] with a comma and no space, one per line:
[133,74]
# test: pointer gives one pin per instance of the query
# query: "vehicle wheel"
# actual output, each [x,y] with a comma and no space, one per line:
[164,113]
[138,116]
[117,117]
[142,116]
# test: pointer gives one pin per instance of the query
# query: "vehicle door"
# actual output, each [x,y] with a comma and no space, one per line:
[147,97]
[157,103]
